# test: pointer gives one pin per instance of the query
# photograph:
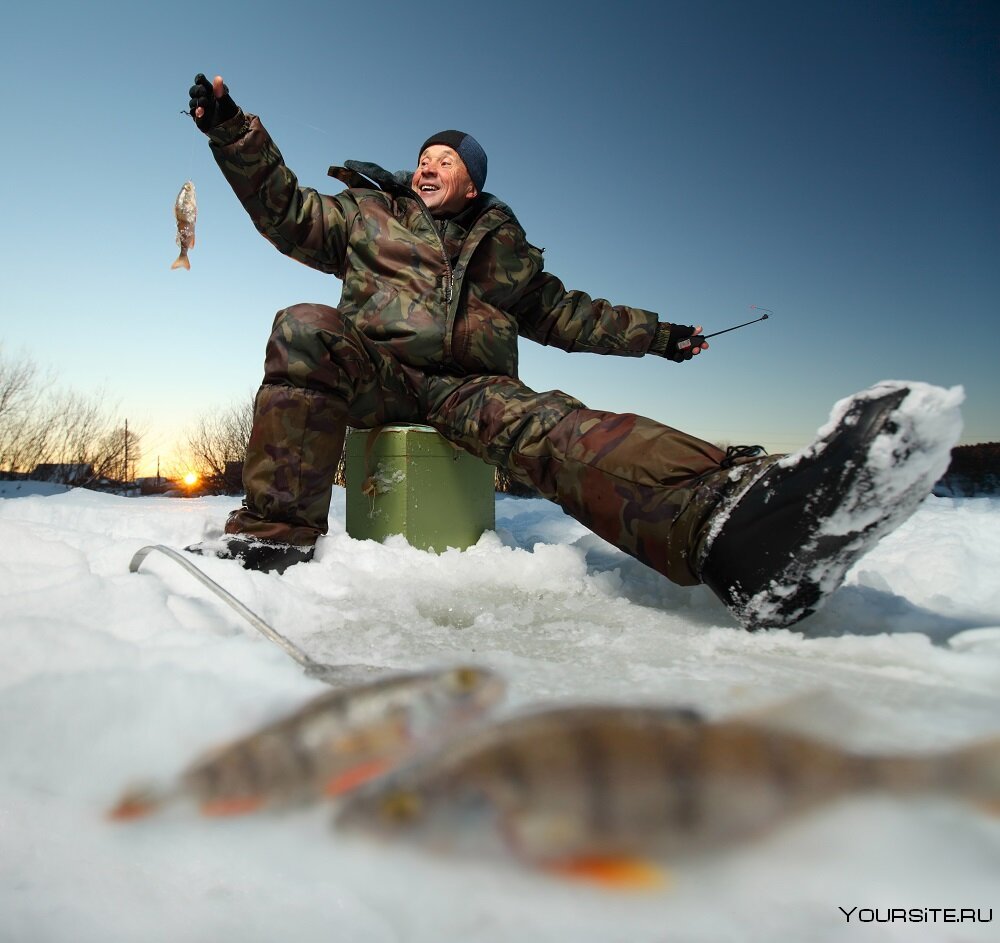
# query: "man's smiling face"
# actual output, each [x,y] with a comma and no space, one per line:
[443,182]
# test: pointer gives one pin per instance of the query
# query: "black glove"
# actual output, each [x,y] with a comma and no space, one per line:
[213,110]
[676,342]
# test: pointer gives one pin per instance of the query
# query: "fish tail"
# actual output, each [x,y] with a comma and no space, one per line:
[136,803]
[973,772]
[970,773]
[616,872]
[181,261]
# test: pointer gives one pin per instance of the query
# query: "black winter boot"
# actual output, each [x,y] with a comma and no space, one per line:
[268,556]
[787,540]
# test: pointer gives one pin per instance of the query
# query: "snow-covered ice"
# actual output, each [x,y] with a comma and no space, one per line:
[108,677]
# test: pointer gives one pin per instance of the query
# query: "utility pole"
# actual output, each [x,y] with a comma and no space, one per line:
[125,475]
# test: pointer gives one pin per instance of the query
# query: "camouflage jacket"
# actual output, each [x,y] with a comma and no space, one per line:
[450,295]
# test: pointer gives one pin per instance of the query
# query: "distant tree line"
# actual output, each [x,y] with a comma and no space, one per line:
[66,436]
[58,434]
[217,447]
[974,471]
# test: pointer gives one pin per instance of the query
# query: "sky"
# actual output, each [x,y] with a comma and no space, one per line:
[835,163]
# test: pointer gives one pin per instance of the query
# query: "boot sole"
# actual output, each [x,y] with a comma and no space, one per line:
[861,481]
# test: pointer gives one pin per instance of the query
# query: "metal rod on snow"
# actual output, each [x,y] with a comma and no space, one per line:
[255,620]
[331,674]
[684,344]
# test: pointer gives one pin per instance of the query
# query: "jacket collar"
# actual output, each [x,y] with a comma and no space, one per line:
[366,176]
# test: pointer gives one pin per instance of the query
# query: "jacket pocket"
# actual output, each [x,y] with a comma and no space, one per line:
[485,340]
[380,317]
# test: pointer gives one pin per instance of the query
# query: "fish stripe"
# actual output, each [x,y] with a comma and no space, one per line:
[299,760]
[780,761]
[594,760]
[681,762]
[512,769]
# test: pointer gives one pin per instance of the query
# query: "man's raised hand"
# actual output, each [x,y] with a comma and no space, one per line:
[210,103]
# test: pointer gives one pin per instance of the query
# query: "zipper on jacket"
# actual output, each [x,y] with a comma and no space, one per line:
[448,278]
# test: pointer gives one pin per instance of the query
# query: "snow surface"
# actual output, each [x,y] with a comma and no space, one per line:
[108,677]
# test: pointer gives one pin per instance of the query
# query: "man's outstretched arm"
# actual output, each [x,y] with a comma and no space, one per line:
[551,314]
[300,222]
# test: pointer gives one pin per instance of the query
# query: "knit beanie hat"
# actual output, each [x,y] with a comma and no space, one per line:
[468,148]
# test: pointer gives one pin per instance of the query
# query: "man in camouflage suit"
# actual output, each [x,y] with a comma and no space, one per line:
[439,282]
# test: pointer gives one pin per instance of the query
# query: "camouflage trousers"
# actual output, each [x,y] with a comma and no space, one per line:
[649,489]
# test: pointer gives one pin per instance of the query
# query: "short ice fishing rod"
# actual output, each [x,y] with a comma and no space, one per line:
[684,344]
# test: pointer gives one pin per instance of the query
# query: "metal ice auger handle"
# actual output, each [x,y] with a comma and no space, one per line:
[331,674]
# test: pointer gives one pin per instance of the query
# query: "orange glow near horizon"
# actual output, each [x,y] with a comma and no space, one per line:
[191,479]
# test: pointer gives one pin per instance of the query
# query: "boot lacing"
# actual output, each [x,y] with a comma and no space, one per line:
[736,452]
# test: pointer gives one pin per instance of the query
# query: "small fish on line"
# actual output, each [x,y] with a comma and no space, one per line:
[613,794]
[185,212]
[329,746]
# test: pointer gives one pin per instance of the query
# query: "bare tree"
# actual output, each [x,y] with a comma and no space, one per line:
[20,390]
[218,440]
[116,454]
[70,434]
[217,446]
[16,383]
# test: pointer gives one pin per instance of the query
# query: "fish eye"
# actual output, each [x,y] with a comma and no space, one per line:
[466,679]
[399,808]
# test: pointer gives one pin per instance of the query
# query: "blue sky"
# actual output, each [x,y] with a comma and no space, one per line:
[835,162]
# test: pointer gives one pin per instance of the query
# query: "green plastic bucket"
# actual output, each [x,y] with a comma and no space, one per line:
[410,480]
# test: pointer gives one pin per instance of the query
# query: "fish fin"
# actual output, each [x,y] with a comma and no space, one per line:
[129,809]
[135,804]
[620,872]
[356,776]
[813,712]
[181,262]
[973,771]
[236,805]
